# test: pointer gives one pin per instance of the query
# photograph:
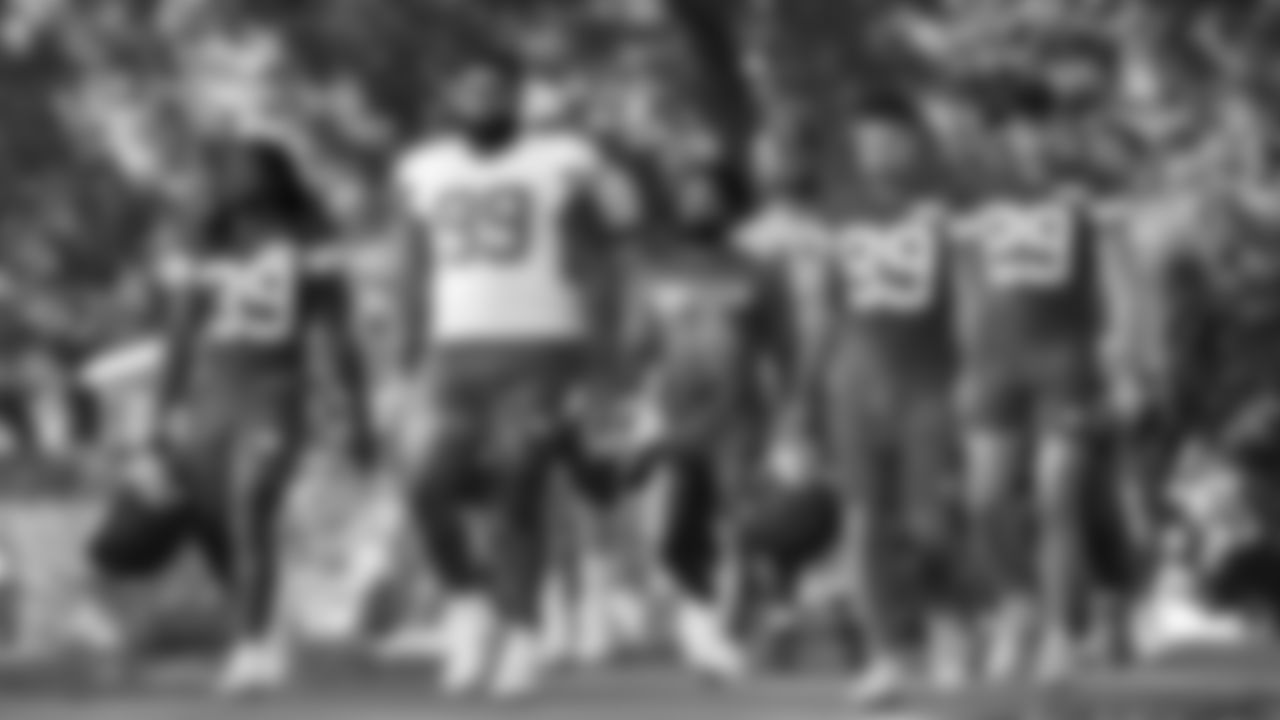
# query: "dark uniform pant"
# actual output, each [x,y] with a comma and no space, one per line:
[482,492]
[1030,426]
[890,433]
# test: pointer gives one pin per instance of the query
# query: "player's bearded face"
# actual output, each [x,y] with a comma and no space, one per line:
[885,153]
[485,104]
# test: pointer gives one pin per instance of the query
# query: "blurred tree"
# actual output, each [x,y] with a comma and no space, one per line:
[105,102]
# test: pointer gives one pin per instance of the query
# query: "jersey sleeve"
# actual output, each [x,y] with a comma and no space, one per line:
[756,240]
[602,181]
[416,178]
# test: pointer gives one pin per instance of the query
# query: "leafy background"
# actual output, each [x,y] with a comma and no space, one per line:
[108,103]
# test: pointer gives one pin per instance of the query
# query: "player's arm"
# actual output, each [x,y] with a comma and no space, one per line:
[1121,297]
[964,235]
[604,244]
[331,323]
[818,321]
[411,279]
[774,360]
[185,310]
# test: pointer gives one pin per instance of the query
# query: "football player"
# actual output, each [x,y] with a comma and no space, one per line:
[1032,319]
[889,389]
[249,301]
[790,532]
[502,294]
[705,341]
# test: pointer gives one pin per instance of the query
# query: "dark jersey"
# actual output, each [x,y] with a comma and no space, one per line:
[705,331]
[1031,280]
[245,319]
[895,288]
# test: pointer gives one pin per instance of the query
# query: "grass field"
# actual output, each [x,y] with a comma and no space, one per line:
[1236,687]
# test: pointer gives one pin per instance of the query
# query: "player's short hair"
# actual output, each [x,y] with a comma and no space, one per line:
[501,63]
[271,190]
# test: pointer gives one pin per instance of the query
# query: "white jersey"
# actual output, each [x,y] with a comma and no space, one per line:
[499,235]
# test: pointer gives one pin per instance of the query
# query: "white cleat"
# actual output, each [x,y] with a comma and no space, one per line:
[519,671]
[555,633]
[92,629]
[628,617]
[466,631]
[593,642]
[705,645]
[256,666]
[1178,620]
[412,644]
[884,681]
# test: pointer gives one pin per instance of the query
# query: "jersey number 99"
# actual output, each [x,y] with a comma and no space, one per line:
[492,227]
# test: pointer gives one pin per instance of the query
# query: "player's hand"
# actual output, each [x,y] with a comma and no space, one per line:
[145,475]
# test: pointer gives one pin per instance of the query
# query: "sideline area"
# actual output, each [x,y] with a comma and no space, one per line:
[1231,686]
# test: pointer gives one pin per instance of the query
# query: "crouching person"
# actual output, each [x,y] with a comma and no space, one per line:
[251,305]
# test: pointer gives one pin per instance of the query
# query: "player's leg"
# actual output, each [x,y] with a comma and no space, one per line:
[444,475]
[861,426]
[265,459]
[1065,414]
[694,550]
[996,526]
[1114,554]
[1144,441]
[525,454]
[887,561]
[592,609]
[932,478]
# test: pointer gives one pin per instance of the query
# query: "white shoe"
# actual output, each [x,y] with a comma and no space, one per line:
[520,669]
[951,666]
[412,643]
[883,681]
[466,630]
[1179,620]
[1056,657]
[1007,652]
[92,629]
[593,641]
[555,633]
[628,617]
[256,666]
[705,645]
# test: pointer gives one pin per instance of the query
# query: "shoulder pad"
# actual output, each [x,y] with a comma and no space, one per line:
[566,150]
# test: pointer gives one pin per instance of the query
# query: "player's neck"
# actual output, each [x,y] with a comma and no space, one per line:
[786,205]
[491,143]
[883,199]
